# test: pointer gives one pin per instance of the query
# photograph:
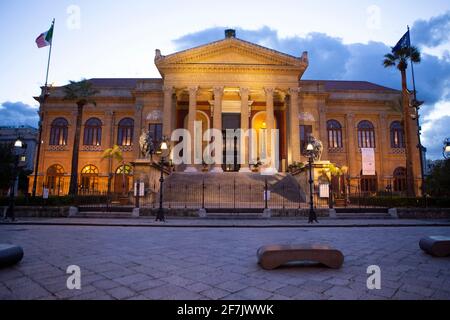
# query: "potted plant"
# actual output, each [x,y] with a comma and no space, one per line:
[296,167]
[256,166]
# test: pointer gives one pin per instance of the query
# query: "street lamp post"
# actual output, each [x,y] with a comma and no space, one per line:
[18,157]
[312,213]
[164,149]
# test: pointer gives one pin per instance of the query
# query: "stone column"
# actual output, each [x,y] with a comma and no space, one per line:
[352,146]
[217,120]
[244,92]
[323,133]
[191,125]
[137,130]
[270,122]
[294,130]
[383,150]
[167,112]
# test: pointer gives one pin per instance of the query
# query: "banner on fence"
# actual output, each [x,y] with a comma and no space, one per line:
[324,190]
[368,161]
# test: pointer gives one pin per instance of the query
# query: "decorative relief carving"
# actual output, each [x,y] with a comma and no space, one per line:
[126,148]
[306,116]
[92,148]
[58,148]
[397,151]
[336,150]
[155,115]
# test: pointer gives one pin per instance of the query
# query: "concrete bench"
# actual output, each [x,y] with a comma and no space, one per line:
[274,256]
[437,246]
[10,255]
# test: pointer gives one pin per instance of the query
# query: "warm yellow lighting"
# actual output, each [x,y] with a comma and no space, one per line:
[447,149]
[310,147]
[18,144]
[164,146]
[264,126]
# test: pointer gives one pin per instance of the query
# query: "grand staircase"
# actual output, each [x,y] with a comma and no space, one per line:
[241,193]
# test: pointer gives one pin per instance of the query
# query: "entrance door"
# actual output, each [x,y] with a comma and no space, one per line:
[231,146]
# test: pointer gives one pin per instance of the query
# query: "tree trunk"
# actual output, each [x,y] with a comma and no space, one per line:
[410,190]
[73,189]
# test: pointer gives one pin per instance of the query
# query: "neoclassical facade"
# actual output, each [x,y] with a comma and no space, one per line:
[228,84]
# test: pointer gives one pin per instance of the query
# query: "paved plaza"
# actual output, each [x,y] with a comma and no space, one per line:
[218,263]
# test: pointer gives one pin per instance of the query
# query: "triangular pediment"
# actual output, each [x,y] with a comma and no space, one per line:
[232,52]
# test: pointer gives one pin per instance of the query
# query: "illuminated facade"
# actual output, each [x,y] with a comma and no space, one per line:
[228,84]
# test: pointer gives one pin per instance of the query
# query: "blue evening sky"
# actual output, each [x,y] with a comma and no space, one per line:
[103,38]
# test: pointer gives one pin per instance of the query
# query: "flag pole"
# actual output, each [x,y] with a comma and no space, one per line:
[49,56]
[41,115]
[419,146]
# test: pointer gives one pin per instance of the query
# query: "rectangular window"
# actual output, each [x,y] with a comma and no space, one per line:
[305,133]
[156,132]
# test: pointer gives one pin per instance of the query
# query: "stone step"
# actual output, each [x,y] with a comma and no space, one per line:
[363,216]
[107,215]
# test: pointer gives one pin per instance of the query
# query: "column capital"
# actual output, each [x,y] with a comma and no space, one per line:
[193,90]
[383,116]
[218,91]
[350,116]
[293,91]
[168,89]
[244,92]
[269,91]
[139,107]
[322,108]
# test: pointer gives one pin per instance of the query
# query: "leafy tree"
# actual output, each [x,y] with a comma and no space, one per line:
[82,93]
[438,182]
[115,153]
[400,60]
[6,164]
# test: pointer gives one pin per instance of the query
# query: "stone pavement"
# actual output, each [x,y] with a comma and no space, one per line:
[176,222]
[217,263]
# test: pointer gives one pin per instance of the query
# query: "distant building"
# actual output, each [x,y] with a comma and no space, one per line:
[29,137]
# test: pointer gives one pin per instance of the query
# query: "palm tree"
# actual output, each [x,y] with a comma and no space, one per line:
[81,92]
[115,153]
[400,60]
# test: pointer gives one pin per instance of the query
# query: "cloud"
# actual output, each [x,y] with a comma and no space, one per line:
[434,135]
[432,33]
[18,113]
[331,59]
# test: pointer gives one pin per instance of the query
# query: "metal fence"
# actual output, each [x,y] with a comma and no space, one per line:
[231,196]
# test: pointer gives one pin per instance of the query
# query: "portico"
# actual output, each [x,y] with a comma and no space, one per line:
[235,77]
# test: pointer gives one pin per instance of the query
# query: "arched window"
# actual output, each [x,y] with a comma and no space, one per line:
[397,135]
[127,169]
[334,134]
[125,132]
[123,179]
[400,179]
[55,175]
[89,179]
[366,134]
[58,132]
[93,132]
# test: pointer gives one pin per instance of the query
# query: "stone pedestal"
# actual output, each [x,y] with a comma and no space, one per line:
[141,171]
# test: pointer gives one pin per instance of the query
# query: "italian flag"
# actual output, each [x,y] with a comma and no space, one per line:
[45,39]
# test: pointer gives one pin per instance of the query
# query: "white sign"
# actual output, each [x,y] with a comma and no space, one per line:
[141,189]
[45,193]
[368,161]
[324,190]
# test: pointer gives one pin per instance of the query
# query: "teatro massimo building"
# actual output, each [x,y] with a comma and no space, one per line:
[228,84]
